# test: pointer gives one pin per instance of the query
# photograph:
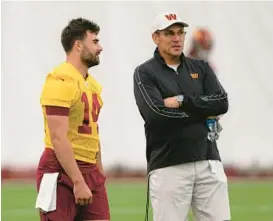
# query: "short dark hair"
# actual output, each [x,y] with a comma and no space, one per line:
[77,30]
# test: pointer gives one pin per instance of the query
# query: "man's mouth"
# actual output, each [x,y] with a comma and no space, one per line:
[176,47]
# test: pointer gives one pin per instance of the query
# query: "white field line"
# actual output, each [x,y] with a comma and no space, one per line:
[141,210]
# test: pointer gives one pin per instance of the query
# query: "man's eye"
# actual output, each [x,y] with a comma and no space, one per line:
[182,33]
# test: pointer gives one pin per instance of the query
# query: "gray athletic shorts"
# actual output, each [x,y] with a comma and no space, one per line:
[201,186]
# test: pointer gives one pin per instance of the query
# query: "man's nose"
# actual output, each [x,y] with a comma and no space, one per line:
[176,37]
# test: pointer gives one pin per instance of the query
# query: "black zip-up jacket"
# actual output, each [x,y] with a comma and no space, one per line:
[178,135]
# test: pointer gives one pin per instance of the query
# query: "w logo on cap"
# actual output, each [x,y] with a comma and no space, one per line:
[171,17]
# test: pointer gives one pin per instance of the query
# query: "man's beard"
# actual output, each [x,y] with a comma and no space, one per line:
[90,59]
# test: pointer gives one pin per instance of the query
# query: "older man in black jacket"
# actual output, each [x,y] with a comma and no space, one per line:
[176,96]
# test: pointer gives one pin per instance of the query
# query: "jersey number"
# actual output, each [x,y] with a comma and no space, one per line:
[85,128]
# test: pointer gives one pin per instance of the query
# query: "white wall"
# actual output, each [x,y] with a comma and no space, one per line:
[243,58]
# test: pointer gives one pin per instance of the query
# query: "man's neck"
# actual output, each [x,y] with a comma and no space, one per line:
[78,65]
[172,60]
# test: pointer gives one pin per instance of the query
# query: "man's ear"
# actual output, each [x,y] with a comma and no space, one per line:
[155,37]
[78,45]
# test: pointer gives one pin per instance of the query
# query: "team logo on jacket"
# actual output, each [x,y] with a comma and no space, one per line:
[194,75]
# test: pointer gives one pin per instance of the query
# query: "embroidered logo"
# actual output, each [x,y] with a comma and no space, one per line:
[171,17]
[194,75]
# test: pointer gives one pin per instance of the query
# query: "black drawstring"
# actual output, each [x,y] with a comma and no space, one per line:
[147,200]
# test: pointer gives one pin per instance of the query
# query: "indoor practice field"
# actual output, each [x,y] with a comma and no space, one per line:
[250,201]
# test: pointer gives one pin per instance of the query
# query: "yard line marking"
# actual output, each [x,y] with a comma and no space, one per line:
[141,210]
